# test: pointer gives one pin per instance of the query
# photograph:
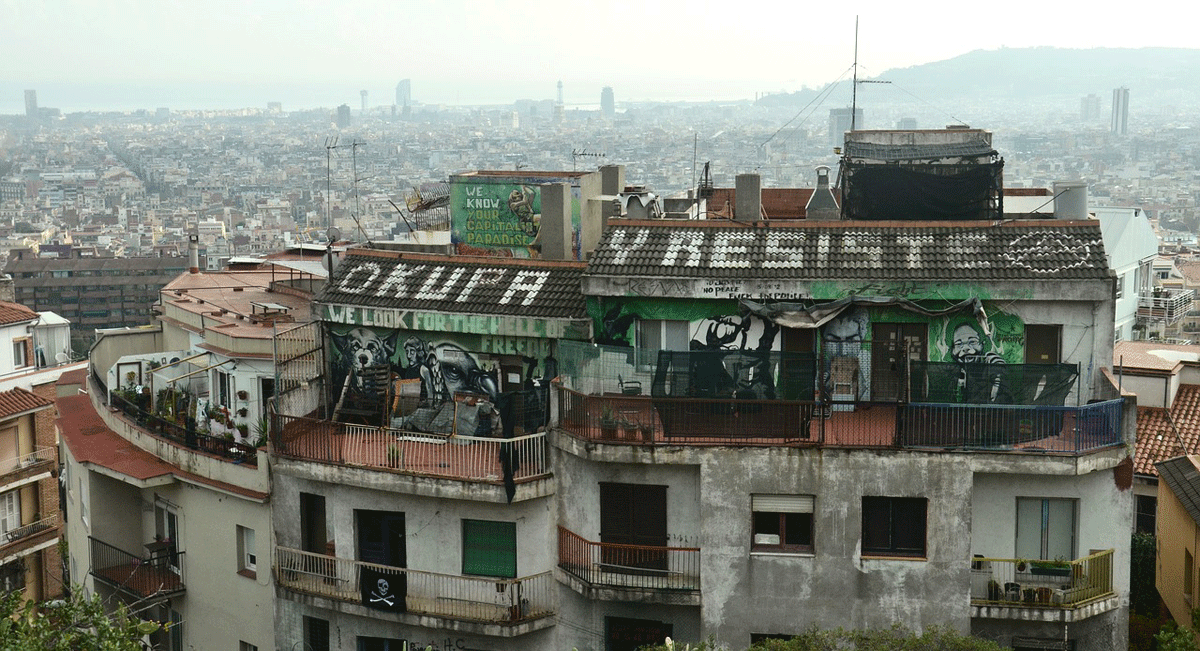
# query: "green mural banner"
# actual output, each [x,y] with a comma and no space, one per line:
[505,215]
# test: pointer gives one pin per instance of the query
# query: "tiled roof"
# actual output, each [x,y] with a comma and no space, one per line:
[966,251]
[1158,440]
[1152,355]
[15,313]
[1181,475]
[486,286]
[875,151]
[18,401]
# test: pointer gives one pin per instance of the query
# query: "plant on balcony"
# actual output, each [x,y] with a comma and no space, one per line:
[609,423]
[1057,567]
[242,394]
[243,430]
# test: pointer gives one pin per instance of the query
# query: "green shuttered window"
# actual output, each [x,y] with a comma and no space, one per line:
[490,548]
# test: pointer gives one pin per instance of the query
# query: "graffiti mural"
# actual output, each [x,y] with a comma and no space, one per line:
[981,349]
[847,361]
[501,214]
[749,375]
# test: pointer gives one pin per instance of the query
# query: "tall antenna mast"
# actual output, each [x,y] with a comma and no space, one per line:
[854,91]
[330,145]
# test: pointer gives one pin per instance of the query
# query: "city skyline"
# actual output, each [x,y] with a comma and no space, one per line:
[307,55]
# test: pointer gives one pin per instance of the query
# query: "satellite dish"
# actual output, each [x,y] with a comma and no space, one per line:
[334,234]
[62,358]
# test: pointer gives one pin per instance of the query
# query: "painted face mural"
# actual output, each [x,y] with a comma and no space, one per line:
[744,376]
[969,345]
[847,368]
[845,333]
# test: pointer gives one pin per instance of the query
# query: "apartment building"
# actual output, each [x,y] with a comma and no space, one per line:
[165,465]
[1178,533]
[752,426]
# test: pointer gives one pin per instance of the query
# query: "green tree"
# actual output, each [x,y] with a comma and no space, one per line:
[1143,596]
[1176,638]
[68,625]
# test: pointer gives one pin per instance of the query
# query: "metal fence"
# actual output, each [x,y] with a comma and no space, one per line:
[458,457]
[629,566]
[158,572]
[167,428]
[491,600]
[1046,584]
[37,455]
[26,530]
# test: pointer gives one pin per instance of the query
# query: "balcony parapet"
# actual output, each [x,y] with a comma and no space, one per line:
[507,603]
[1011,588]
[1165,305]
[28,536]
[645,573]
[246,468]
[22,467]
[464,458]
[1030,429]
[157,573]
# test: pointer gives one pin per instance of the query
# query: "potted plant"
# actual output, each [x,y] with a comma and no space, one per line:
[609,423]
[243,430]
[1057,567]
[242,394]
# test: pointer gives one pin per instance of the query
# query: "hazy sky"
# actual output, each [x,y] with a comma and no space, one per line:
[462,51]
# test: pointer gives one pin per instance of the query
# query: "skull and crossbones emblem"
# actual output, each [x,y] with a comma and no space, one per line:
[381,594]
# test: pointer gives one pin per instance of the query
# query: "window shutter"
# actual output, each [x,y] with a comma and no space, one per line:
[781,503]
[490,548]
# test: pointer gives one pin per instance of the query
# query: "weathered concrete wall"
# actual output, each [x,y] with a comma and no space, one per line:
[748,593]
[586,628]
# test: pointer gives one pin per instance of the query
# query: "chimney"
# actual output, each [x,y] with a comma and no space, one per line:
[1070,200]
[555,233]
[193,253]
[747,198]
[821,205]
[612,179]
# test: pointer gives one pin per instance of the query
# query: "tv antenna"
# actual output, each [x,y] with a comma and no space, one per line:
[576,154]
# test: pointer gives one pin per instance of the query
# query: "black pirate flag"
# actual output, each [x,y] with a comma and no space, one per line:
[383,589]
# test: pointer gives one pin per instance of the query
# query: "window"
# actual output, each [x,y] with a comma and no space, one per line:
[12,576]
[490,548]
[381,644]
[893,526]
[1189,576]
[316,633]
[633,523]
[246,646]
[21,352]
[10,511]
[224,386]
[247,552]
[83,498]
[782,523]
[1045,528]
[654,335]
[1120,286]
[1147,505]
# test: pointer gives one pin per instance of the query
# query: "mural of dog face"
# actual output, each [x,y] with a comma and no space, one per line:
[363,347]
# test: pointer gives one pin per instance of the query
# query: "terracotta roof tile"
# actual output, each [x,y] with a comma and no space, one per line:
[1033,250]
[1158,440]
[15,313]
[458,284]
[18,401]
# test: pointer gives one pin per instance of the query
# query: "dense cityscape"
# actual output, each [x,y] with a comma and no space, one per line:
[390,375]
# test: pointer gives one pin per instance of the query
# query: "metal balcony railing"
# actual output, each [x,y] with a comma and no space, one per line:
[1042,584]
[1164,305]
[29,459]
[642,420]
[488,600]
[26,530]
[232,450]
[157,573]
[629,566]
[468,458]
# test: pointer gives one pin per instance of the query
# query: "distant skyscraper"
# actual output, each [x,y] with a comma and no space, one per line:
[840,122]
[404,92]
[363,94]
[560,99]
[274,107]
[1120,111]
[31,103]
[343,116]
[907,124]
[1089,108]
[608,105]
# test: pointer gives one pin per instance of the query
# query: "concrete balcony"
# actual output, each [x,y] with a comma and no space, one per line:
[1048,591]
[1164,305]
[523,460]
[641,573]
[159,572]
[21,469]
[486,606]
[28,538]
[652,421]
